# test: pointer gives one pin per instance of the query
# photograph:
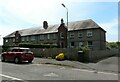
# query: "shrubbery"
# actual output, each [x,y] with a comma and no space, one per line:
[28,45]
[31,45]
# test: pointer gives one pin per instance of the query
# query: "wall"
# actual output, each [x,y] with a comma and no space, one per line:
[100,54]
[72,53]
[69,53]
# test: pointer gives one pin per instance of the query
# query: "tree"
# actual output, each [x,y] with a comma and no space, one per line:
[113,45]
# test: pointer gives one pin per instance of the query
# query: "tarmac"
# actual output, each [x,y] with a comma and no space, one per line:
[107,65]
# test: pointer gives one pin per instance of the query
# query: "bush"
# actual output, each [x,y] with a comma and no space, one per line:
[31,45]
[86,53]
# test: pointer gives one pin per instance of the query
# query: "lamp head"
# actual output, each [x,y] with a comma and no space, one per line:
[63,5]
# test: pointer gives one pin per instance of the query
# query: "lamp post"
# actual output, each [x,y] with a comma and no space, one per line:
[67,23]
[67,13]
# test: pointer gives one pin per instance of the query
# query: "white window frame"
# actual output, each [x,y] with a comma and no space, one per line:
[71,45]
[13,39]
[72,35]
[41,37]
[80,34]
[32,38]
[90,46]
[23,38]
[27,38]
[80,44]
[89,33]
[6,40]
[54,36]
[61,35]
[48,36]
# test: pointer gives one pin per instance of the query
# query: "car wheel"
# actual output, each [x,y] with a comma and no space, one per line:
[17,60]
[2,58]
[30,61]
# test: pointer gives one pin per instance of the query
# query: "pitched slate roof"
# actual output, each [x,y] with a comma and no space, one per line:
[77,25]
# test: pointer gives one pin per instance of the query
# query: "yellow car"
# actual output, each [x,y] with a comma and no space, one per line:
[60,56]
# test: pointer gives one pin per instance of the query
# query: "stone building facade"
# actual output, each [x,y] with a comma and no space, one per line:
[77,34]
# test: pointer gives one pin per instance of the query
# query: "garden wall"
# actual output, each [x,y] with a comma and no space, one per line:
[72,54]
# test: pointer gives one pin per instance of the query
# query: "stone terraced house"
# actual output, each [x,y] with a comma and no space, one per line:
[78,34]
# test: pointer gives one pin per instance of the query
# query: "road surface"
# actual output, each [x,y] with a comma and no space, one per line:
[34,71]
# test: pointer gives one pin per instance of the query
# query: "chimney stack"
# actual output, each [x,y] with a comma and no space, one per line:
[45,25]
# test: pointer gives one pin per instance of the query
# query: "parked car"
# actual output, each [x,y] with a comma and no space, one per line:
[18,55]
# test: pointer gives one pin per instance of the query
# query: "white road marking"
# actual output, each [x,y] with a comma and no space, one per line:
[13,78]
[51,75]
[62,68]
[95,71]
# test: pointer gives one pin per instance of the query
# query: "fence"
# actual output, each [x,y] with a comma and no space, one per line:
[72,54]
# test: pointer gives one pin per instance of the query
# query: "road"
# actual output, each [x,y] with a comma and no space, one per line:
[34,71]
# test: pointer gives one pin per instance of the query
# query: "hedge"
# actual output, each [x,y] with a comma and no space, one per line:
[31,45]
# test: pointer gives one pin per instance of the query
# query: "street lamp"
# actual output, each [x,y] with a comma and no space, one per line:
[67,13]
[67,21]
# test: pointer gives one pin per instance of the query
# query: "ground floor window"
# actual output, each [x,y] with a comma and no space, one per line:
[72,44]
[80,44]
[90,44]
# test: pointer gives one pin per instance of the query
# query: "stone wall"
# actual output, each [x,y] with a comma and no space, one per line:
[100,54]
[72,53]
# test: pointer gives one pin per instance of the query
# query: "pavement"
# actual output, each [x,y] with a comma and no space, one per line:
[108,65]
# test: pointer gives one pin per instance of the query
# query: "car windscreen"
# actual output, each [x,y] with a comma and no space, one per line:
[26,51]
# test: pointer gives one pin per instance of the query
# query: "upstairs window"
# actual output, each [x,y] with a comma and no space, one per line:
[89,33]
[71,35]
[61,35]
[6,40]
[23,38]
[27,38]
[41,37]
[32,38]
[48,36]
[80,34]
[54,36]
[13,39]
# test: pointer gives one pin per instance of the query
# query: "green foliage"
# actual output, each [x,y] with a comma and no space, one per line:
[31,45]
[6,48]
[115,45]
[85,53]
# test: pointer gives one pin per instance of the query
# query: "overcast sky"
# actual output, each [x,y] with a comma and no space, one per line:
[21,14]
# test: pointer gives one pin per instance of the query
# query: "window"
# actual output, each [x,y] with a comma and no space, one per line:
[71,35]
[54,36]
[41,37]
[23,38]
[61,35]
[27,38]
[80,34]
[48,36]
[13,39]
[32,38]
[89,33]
[6,40]
[72,44]
[80,44]
[90,44]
